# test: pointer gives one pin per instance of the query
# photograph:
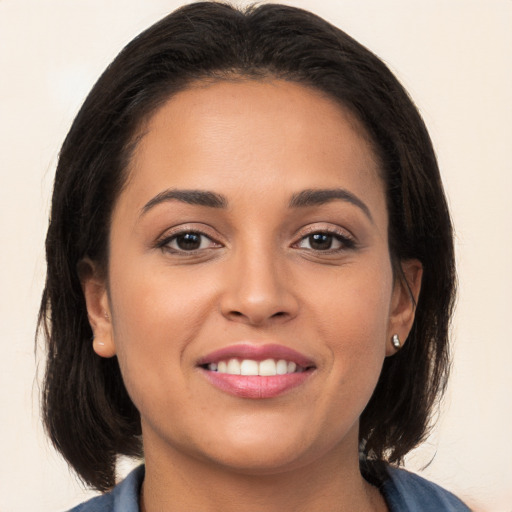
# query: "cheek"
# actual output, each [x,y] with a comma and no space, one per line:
[356,304]
[156,314]
[157,300]
[353,317]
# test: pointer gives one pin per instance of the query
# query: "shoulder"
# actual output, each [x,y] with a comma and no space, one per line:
[124,497]
[407,492]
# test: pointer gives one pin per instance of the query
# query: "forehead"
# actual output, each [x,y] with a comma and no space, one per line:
[253,134]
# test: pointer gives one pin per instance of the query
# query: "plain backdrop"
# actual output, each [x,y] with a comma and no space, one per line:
[454,57]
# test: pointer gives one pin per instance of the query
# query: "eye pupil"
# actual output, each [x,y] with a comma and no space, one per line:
[189,241]
[320,241]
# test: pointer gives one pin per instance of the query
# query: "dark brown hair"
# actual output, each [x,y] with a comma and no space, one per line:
[87,411]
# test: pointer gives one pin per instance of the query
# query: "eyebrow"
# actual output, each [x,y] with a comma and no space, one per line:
[196,197]
[303,199]
[315,197]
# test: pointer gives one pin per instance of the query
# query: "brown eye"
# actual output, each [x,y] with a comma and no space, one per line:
[188,241]
[320,241]
[325,241]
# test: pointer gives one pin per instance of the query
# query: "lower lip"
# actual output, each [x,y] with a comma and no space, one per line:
[254,386]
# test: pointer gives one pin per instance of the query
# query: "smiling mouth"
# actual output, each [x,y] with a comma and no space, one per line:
[255,371]
[251,367]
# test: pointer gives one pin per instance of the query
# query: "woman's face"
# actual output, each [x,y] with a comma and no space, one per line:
[251,238]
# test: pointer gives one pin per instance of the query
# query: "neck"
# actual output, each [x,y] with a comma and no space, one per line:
[177,482]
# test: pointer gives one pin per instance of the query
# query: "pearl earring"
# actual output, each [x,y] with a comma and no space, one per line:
[395,340]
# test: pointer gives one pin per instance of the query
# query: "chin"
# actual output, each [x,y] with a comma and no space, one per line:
[268,450]
[258,460]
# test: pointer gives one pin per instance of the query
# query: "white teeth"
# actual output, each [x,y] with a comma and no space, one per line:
[233,367]
[249,367]
[282,367]
[267,368]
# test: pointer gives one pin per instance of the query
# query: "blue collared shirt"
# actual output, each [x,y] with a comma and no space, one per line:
[403,492]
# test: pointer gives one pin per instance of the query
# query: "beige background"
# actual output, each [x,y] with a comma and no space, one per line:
[454,56]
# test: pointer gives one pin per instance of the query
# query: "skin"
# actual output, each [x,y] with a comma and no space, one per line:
[255,277]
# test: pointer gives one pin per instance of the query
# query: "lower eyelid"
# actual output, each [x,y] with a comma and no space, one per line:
[347,241]
[167,240]
[202,241]
[344,238]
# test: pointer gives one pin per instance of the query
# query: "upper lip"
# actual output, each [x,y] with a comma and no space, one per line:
[256,352]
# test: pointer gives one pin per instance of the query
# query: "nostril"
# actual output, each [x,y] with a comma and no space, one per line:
[254,318]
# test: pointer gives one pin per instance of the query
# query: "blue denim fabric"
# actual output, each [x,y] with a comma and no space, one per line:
[403,492]
[123,498]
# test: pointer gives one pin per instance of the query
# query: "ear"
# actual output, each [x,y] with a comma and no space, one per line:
[405,296]
[98,309]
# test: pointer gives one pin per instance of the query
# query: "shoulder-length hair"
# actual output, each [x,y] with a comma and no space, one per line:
[87,411]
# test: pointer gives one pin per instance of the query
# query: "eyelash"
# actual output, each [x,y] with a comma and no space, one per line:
[346,242]
[165,244]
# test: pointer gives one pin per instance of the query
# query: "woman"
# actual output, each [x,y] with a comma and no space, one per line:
[250,273]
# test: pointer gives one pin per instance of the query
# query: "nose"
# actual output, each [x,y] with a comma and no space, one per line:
[258,290]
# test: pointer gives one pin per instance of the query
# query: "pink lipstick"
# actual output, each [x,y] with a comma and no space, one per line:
[256,371]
